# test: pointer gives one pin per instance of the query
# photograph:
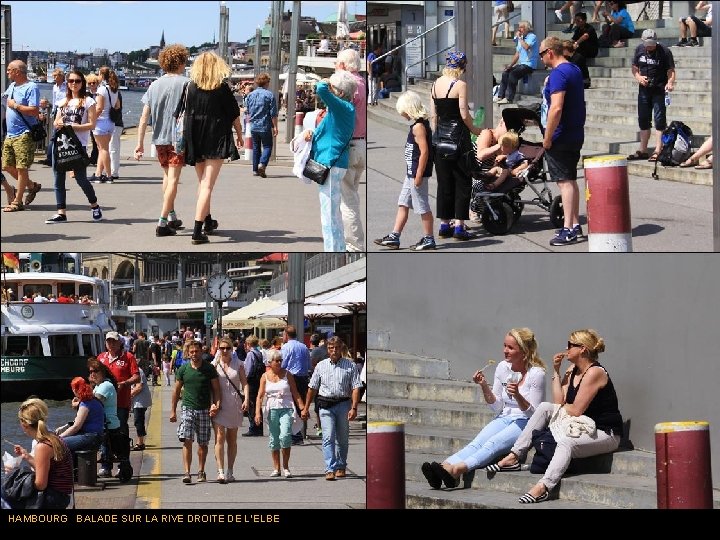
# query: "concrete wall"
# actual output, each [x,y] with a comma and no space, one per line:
[657,313]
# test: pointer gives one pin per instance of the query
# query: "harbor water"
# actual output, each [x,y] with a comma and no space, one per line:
[131,100]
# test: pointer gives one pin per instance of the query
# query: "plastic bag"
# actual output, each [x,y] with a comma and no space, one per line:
[10,462]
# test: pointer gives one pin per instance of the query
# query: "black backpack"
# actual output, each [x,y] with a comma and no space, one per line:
[677,146]
[257,368]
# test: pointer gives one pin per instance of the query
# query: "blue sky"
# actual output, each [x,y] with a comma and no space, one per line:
[129,26]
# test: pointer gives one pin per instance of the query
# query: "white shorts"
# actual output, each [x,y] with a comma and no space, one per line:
[415,198]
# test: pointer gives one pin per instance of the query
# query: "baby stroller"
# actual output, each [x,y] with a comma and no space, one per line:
[500,209]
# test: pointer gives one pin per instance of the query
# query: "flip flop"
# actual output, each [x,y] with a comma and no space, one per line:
[703,166]
[638,155]
[689,163]
[654,157]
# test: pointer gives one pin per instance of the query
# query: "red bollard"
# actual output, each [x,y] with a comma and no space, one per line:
[682,456]
[386,465]
[299,117]
[607,195]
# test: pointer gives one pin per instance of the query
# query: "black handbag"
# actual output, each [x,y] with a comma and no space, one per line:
[115,114]
[317,172]
[68,152]
[544,444]
[446,138]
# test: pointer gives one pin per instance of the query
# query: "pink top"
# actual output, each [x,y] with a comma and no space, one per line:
[360,103]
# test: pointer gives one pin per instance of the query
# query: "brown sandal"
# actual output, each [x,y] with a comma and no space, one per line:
[638,155]
[14,206]
[13,197]
[32,192]
[654,157]
[690,162]
[704,165]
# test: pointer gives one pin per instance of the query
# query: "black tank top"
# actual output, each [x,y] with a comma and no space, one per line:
[603,408]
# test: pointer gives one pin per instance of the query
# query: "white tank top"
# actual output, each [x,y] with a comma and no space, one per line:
[278,394]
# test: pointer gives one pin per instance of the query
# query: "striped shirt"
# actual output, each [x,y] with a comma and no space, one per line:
[60,475]
[335,380]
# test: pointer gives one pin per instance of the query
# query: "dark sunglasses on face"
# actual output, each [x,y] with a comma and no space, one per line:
[571,345]
[542,53]
[72,81]
[224,348]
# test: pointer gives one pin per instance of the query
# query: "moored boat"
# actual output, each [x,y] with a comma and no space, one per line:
[45,344]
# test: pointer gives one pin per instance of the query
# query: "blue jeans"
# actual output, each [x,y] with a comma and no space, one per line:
[494,441]
[84,441]
[82,181]
[265,139]
[333,230]
[336,434]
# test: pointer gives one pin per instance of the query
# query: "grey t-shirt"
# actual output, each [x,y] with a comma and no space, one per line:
[162,97]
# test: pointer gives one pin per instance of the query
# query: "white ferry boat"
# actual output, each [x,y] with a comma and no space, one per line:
[45,344]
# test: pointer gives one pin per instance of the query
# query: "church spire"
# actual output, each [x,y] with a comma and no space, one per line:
[162,40]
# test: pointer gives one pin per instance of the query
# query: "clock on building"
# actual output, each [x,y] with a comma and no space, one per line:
[219,287]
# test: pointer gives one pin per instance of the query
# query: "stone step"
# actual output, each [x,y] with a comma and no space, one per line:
[624,461]
[393,363]
[628,83]
[599,90]
[628,121]
[400,387]
[678,107]
[462,416]
[419,495]
[612,490]
[688,76]
[626,62]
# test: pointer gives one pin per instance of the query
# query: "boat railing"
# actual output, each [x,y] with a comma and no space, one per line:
[53,313]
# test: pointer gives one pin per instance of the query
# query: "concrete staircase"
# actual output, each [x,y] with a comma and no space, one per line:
[611,124]
[442,415]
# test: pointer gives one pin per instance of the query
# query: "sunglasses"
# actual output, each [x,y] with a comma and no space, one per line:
[541,53]
[571,345]
[224,348]
[72,81]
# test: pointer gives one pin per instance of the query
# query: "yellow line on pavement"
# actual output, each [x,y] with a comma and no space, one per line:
[150,489]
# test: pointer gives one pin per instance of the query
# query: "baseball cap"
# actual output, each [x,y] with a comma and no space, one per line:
[649,37]
[112,335]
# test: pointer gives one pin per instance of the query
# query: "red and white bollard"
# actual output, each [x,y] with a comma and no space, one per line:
[247,140]
[299,117]
[386,465]
[682,458]
[607,195]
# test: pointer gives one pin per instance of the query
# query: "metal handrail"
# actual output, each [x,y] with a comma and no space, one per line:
[410,41]
[423,60]
[511,17]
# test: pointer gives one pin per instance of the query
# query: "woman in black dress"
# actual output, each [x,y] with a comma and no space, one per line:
[210,114]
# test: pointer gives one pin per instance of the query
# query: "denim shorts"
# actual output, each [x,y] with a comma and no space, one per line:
[415,198]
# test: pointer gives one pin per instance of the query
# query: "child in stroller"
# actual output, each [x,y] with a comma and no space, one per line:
[499,202]
[510,162]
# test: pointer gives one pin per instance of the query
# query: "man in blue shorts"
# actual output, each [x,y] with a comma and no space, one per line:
[563,118]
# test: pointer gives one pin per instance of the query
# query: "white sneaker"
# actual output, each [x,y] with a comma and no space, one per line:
[558,14]
[287,473]
[502,101]
[275,473]
[496,99]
